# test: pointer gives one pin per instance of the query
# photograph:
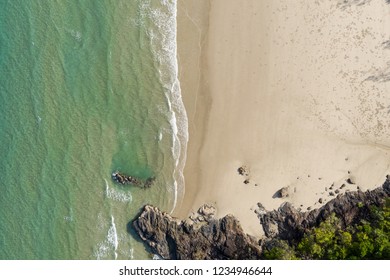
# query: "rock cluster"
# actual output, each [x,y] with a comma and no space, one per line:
[130,180]
[288,223]
[204,214]
[202,236]
[206,238]
[243,170]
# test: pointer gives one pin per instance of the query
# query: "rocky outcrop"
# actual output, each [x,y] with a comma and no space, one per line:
[288,223]
[131,180]
[203,237]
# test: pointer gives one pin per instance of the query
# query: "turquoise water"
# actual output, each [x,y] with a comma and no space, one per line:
[86,88]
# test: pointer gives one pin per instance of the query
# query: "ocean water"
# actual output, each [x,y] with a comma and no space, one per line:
[86,88]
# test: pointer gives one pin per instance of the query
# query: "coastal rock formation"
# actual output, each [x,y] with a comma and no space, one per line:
[130,180]
[288,223]
[202,236]
[205,238]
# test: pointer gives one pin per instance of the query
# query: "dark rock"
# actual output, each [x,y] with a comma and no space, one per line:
[345,4]
[342,186]
[386,44]
[331,193]
[131,180]
[243,171]
[320,200]
[350,181]
[282,193]
[287,223]
[246,181]
[336,191]
[224,238]
[217,239]
[207,212]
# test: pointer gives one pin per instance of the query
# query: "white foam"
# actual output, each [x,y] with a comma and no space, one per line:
[131,253]
[117,194]
[69,218]
[110,244]
[164,49]
[112,236]
[76,34]
[102,251]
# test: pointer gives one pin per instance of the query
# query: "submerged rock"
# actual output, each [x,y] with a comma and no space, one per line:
[131,180]
[149,182]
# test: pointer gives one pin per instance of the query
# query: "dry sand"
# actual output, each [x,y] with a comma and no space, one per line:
[297,93]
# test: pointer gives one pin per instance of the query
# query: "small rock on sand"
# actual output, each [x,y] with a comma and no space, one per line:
[350,181]
[243,170]
[282,193]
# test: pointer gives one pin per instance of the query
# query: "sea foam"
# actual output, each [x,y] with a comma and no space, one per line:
[164,49]
[117,194]
[109,246]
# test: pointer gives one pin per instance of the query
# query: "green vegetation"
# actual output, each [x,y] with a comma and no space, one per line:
[368,239]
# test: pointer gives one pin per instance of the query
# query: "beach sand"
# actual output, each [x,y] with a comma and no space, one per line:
[299,94]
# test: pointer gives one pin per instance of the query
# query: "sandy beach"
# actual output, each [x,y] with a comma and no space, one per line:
[298,94]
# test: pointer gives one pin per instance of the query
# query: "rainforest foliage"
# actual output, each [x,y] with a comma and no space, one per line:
[369,238]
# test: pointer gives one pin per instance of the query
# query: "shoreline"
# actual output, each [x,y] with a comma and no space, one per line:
[275,87]
[192,21]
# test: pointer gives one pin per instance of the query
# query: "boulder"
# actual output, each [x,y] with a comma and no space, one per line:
[282,193]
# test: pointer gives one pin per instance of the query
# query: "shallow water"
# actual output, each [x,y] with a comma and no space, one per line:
[86,88]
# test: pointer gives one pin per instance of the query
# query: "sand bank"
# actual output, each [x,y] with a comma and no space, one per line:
[297,93]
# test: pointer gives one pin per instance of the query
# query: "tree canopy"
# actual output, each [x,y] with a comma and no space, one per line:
[366,239]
